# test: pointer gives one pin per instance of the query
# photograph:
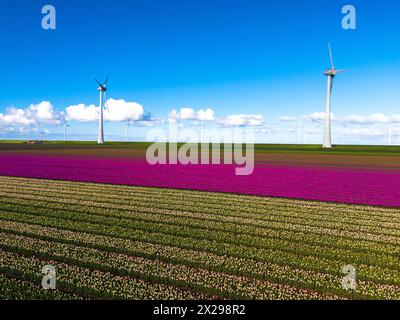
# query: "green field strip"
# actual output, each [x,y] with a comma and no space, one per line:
[249,239]
[348,211]
[91,283]
[350,150]
[240,267]
[378,229]
[15,289]
[71,201]
[223,285]
[235,248]
[267,231]
[219,211]
[204,195]
[209,196]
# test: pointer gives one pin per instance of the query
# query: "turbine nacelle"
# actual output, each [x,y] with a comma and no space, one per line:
[332,71]
[102,86]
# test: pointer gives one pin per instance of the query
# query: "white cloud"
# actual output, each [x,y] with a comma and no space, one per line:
[242,120]
[317,117]
[82,113]
[121,110]
[371,119]
[205,115]
[288,118]
[361,132]
[118,110]
[376,118]
[191,114]
[34,115]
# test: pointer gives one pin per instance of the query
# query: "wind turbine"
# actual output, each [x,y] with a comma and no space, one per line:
[305,135]
[128,124]
[298,131]
[331,73]
[65,130]
[102,90]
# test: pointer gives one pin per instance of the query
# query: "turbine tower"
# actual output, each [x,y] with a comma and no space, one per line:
[298,131]
[331,73]
[65,130]
[102,90]
[128,124]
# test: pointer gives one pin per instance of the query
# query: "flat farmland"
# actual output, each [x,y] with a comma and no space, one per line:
[364,176]
[116,228]
[129,242]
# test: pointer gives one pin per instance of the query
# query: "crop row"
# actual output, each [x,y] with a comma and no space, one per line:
[263,228]
[220,204]
[224,285]
[264,214]
[191,240]
[15,289]
[87,282]
[231,265]
[149,243]
[226,199]
[206,229]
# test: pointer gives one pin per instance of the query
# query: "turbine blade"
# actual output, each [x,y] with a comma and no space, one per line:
[105,82]
[99,83]
[331,56]
[105,101]
[340,71]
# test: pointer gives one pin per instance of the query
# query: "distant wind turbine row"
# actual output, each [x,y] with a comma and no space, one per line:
[327,142]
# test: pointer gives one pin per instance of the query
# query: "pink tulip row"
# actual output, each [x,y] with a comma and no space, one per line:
[343,185]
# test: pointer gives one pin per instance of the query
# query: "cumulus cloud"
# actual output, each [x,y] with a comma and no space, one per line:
[121,110]
[191,114]
[34,115]
[82,113]
[118,110]
[242,120]
[317,117]
[371,119]
[287,118]
[362,132]
[376,118]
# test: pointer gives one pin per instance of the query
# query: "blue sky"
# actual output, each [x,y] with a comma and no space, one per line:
[235,57]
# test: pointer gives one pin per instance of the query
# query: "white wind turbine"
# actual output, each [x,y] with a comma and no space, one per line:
[298,132]
[305,135]
[65,130]
[128,125]
[331,73]
[102,89]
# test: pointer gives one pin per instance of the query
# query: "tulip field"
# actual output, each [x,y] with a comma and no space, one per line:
[109,236]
